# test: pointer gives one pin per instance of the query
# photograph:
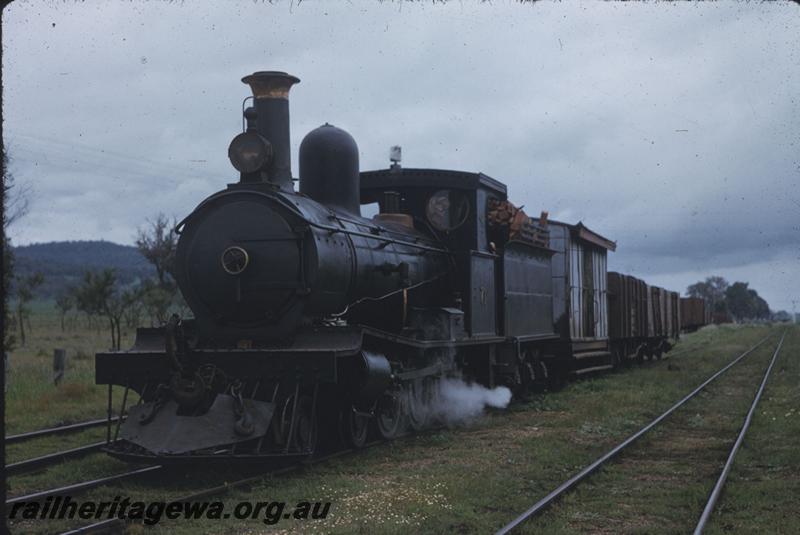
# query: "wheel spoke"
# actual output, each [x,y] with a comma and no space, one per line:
[418,404]
[389,418]
[355,426]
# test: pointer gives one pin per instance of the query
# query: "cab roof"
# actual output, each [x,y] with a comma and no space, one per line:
[399,177]
[584,233]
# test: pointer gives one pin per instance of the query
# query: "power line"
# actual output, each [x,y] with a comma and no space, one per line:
[58,153]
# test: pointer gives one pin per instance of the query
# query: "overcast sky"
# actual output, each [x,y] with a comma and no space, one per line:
[673,129]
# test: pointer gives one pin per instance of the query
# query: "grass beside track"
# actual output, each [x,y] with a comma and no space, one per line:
[762,491]
[470,479]
[661,483]
[32,401]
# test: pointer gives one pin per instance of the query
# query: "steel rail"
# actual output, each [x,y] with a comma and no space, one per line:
[51,458]
[106,526]
[58,430]
[80,487]
[545,502]
[715,493]
[112,525]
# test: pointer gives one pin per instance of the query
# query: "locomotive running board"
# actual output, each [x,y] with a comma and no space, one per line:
[424,344]
[315,348]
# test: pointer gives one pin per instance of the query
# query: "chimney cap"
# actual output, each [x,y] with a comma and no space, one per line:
[270,84]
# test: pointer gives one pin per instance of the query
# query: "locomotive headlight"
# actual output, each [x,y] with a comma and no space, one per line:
[249,152]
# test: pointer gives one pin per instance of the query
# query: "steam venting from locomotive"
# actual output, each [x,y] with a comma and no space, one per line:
[460,402]
[456,402]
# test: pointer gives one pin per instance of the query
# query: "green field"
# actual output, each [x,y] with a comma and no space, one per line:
[32,400]
[474,479]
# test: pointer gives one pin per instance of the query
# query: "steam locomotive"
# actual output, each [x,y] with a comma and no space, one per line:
[312,323]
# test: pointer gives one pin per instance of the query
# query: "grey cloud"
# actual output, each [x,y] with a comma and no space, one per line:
[672,129]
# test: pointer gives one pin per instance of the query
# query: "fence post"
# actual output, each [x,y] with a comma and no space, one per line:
[59,364]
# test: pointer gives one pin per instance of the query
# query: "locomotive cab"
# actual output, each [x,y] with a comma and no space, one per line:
[450,205]
[501,262]
[496,273]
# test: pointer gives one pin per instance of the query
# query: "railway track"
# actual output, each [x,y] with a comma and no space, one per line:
[571,483]
[723,476]
[52,458]
[80,426]
[116,524]
[49,459]
[76,488]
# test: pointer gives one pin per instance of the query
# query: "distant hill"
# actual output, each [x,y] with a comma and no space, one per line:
[64,263]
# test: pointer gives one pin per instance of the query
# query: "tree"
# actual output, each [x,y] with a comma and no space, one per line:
[781,315]
[712,290]
[120,307]
[16,199]
[762,311]
[25,289]
[133,313]
[15,206]
[745,304]
[739,300]
[157,302]
[64,304]
[8,267]
[157,244]
[100,295]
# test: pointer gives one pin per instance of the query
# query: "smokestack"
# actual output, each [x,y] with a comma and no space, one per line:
[271,100]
